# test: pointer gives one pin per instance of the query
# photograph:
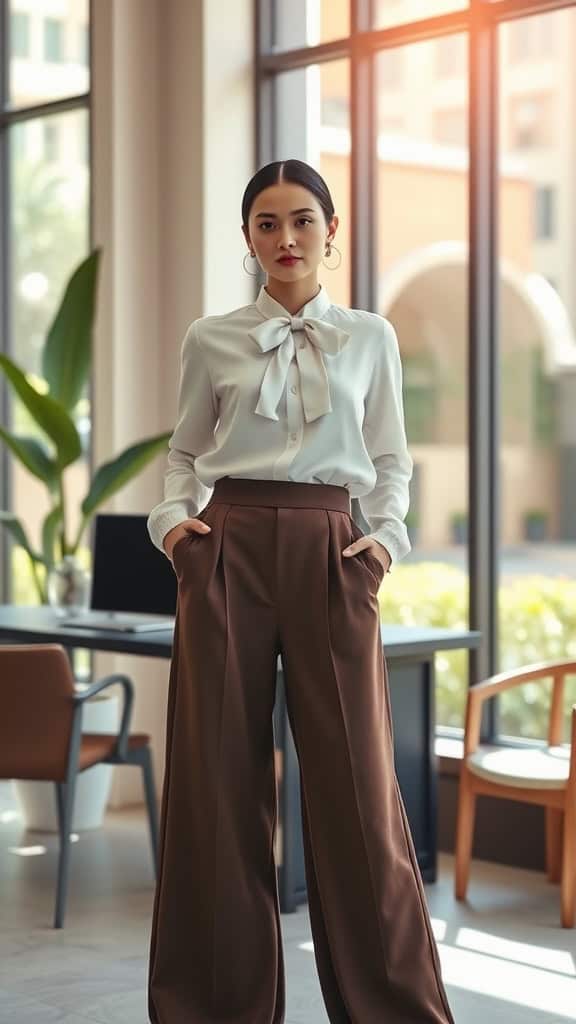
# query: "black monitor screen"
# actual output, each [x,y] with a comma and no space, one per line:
[130,574]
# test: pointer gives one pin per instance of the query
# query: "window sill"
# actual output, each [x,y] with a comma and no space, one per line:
[449,751]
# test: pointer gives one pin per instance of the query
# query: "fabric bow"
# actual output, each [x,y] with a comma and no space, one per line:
[320,336]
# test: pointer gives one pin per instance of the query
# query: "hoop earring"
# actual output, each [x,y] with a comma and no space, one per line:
[329,248]
[249,272]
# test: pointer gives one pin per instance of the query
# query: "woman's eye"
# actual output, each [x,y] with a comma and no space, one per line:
[265,224]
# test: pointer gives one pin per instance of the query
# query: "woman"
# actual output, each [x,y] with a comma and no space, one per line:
[287,408]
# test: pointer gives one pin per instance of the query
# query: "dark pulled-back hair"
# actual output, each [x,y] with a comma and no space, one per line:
[295,171]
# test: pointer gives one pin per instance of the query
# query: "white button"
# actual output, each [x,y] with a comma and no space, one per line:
[293,389]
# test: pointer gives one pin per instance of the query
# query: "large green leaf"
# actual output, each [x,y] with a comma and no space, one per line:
[111,476]
[49,414]
[13,524]
[32,454]
[66,355]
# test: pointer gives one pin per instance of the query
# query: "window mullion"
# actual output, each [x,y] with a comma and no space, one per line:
[483,400]
[363,164]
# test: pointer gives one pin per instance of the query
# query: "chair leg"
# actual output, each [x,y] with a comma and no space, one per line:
[66,800]
[464,834]
[58,788]
[554,828]
[150,792]
[568,880]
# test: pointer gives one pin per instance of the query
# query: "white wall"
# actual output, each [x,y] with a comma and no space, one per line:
[172,152]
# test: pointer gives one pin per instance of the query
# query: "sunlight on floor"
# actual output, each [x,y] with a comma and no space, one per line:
[558,960]
[523,974]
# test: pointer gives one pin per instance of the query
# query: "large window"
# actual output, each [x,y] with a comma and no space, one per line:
[398,105]
[44,125]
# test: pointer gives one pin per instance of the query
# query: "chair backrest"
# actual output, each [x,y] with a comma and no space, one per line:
[36,711]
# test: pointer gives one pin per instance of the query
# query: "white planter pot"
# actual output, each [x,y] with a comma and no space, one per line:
[38,799]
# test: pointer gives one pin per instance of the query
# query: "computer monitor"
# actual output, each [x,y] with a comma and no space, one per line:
[130,574]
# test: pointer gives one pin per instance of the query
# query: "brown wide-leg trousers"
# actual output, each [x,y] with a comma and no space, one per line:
[270,578]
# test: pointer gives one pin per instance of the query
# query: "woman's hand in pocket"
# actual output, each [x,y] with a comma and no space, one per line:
[182,530]
[374,547]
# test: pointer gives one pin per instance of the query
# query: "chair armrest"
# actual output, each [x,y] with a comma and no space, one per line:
[488,688]
[121,748]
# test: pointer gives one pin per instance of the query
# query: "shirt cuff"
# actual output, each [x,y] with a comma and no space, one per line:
[396,548]
[161,523]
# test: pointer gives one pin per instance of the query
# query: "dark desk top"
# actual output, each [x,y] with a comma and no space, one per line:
[39,624]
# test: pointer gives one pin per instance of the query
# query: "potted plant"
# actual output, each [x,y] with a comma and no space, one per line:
[66,365]
[56,445]
[459,527]
[535,524]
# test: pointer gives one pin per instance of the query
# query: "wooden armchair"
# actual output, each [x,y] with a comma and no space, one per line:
[537,775]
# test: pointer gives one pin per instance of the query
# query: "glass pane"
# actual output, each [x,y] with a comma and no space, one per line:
[313,112]
[396,12]
[537,599]
[423,254]
[309,22]
[48,49]
[49,237]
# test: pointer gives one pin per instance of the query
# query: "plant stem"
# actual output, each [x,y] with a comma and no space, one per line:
[63,544]
[83,524]
[42,594]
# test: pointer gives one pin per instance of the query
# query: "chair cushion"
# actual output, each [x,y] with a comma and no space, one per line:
[526,767]
[98,746]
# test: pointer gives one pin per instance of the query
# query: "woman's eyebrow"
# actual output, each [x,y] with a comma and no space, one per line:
[305,209]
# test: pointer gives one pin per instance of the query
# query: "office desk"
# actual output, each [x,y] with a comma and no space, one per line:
[409,654]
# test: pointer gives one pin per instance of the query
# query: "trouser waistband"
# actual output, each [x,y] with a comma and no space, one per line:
[288,493]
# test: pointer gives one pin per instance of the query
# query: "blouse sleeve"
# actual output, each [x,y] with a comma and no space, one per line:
[385,507]
[197,415]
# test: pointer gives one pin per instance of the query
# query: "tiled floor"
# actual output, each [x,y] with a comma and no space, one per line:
[504,956]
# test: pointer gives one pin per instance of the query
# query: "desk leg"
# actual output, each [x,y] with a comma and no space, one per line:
[413,716]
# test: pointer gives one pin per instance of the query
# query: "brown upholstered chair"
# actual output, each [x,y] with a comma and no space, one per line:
[41,737]
[532,774]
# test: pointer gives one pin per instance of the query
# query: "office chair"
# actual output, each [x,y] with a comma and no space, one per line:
[41,737]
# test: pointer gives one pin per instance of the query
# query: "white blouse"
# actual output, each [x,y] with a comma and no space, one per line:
[315,397]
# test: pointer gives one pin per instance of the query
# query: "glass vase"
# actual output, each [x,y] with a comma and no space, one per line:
[68,587]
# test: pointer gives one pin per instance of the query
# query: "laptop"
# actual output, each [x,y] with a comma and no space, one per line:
[134,587]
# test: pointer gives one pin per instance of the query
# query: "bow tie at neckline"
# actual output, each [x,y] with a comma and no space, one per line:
[315,336]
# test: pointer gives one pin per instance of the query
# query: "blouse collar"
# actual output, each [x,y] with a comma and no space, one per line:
[315,307]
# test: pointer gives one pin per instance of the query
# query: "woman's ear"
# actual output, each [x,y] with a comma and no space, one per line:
[333,225]
[246,234]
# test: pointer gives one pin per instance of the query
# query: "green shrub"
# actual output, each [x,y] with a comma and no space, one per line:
[537,619]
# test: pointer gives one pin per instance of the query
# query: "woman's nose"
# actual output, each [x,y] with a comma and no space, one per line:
[285,238]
